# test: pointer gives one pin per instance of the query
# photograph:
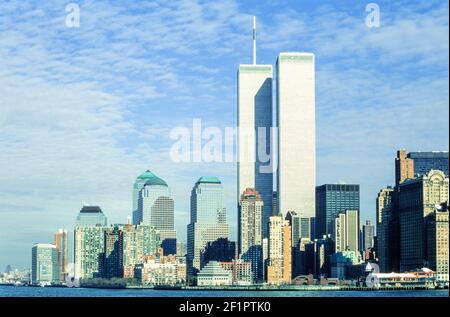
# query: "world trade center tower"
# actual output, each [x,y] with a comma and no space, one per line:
[254,124]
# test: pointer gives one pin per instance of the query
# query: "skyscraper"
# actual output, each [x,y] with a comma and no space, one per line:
[251,209]
[280,244]
[137,187]
[404,167]
[296,173]
[347,231]
[156,208]
[88,251]
[208,220]
[438,242]
[254,135]
[113,253]
[90,216]
[44,263]
[385,209]
[417,199]
[426,161]
[61,243]
[368,233]
[332,199]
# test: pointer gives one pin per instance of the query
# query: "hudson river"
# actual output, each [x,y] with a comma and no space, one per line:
[22,291]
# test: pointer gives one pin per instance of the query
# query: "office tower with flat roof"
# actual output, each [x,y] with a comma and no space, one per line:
[44,264]
[322,249]
[404,167]
[251,210]
[222,250]
[347,231]
[426,161]
[438,242]
[156,208]
[280,244]
[62,245]
[368,234]
[113,253]
[385,210]
[418,198]
[88,251]
[90,216]
[296,173]
[331,200]
[208,220]
[254,119]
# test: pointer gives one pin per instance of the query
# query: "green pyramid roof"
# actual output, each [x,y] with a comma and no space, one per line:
[151,179]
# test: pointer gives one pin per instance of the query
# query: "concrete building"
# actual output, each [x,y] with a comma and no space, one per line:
[331,200]
[280,244]
[88,251]
[347,231]
[213,274]
[368,234]
[208,220]
[113,253]
[250,233]
[438,242]
[138,241]
[417,199]
[159,269]
[45,264]
[296,173]
[156,208]
[241,271]
[384,209]
[61,241]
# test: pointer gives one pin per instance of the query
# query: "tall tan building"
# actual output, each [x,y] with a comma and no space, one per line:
[438,242]
[279,261]
[404,167]
[62,246]
[347,231]
[418,199]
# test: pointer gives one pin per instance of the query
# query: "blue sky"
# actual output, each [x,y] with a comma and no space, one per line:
[85,110]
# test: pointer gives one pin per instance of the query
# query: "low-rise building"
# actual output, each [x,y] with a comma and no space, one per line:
[213,274]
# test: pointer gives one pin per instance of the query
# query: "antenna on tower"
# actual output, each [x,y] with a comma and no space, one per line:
[254,40]
[128,219]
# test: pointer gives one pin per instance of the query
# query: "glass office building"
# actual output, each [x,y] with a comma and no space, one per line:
[331,200]
[91,216]
[426,161]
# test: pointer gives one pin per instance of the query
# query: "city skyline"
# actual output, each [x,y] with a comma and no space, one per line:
[128,130]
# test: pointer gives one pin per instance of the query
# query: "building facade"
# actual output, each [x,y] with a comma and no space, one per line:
[213,274]
[61,242]
[417,199]
[208,220]
[88,251]
[331,200]
[91,216]
[255,168]
[250,231]
[404,167]
[438,242]
[44,264]
[156,208]
[280,244]
[296,173]
[426,161]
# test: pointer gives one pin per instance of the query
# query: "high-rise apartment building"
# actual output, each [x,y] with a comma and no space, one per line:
[331,200]
[417,199]
[44,264]
[88,251]
[296,173]
[208,220]
[138,241]
[280,244]
[250,233]
[113,253]
[62,245]
[156,208]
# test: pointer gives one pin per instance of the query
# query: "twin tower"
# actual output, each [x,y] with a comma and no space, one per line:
[285,153]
